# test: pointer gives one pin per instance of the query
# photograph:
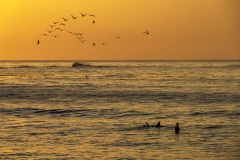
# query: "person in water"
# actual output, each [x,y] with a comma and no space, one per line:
[147,125]
[177,129]
[159,125]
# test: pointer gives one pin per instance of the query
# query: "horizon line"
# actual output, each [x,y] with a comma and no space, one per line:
[112,60]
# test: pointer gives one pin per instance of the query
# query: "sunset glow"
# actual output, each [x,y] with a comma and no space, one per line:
[199,29]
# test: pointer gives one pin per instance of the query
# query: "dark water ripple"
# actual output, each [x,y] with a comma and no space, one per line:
[60,93]
[46,112]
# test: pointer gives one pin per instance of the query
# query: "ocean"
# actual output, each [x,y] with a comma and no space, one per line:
[50,110]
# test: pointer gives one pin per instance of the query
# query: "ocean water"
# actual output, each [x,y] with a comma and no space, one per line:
[49,110]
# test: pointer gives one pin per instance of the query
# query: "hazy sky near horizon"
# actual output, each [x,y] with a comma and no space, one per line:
[179,29]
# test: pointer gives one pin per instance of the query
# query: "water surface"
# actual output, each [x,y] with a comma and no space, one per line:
[50,110]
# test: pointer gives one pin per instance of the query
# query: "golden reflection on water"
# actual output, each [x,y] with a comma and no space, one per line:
[86,138]
[60,114]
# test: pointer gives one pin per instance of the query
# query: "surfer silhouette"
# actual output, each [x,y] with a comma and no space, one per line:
[159,125]
[147,125]
[177,128]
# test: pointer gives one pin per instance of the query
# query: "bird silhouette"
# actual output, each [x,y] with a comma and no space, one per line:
[146,32]
[45,35]
[50,31]
[55,22]
[83,15]
[69,32]
[38,42]
[65,19]
[80,34]
[52,26]
[118,37]
[80,38]
[55,36]
[94,44]
[93,22]
[82,41]
[74,17]
[91,15]
[103,44]
[62,24]
[58,29]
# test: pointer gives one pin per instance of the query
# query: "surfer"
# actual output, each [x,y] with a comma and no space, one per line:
[159,125]
[147,125]
[177,129]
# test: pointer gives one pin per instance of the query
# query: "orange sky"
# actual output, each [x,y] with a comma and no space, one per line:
[179,29]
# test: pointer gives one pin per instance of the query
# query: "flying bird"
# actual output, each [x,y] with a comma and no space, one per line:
[94,44]
[65,19]
[38,42]
[80,34]
[80,38]
[55,36]
[50,31]
[91,15]
[69,32]
[83,15]
[62,24]
[74,17]
[51,26]
[58,29]
[55,22]
[146,32]
[93,22]
[118,37]
[75,34]
[103,44]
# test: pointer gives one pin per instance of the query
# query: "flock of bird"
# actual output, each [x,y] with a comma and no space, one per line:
[61,26]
